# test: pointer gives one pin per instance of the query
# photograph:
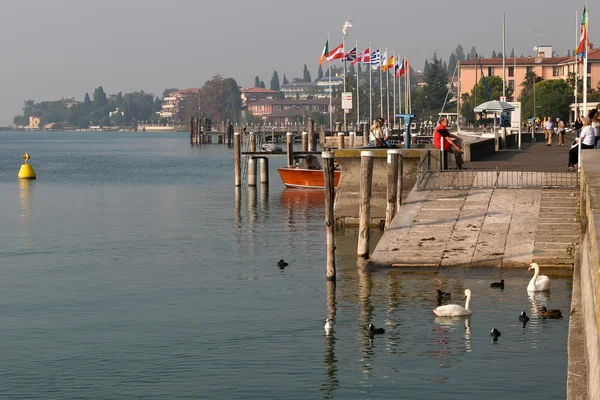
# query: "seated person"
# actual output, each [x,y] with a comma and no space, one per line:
[442,134]
[585,140]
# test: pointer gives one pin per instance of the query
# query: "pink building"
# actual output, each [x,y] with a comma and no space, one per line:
[544,67]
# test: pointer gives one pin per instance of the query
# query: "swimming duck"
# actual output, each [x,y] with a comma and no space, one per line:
[329,325]
[282,264]
[523,318]
[454,310]
[550,314]
[442,294]
[498,284]
[539,283]
[375,331]
[495,334]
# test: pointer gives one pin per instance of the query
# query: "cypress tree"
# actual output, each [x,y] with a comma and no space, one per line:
[275,81]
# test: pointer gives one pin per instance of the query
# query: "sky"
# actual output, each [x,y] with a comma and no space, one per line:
[53,49]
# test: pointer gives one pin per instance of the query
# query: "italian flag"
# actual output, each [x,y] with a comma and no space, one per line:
[325,52]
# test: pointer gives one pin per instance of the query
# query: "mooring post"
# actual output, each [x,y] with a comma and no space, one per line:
[400,179]
[264,170]
[338,126]
[192,130]
[237,155]
[352,141]
[304,141]
[290,149]
[328,168]
[340,139]
[252,143]
[392,185]
[364,212]
[311,136]
[252,171]
[273,135]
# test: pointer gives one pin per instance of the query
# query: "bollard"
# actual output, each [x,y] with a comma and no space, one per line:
[352,143]
[290,149]
[400,179]
[311,136]
[264,170]
[392,186]
[304,141]
[192,130]
[252,171]
[328,168]
[364,213]
[338,126]
[252,143]
[237,159]
[340,138]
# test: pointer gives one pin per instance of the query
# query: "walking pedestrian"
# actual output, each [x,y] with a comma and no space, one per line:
[560,124]
[548,130]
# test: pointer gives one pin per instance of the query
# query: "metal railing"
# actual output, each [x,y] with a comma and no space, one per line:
[431,177]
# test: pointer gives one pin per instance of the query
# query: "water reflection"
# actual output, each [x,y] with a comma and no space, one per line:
[331,382]
[252,211]
[25,193]
[302,198]
[238,206]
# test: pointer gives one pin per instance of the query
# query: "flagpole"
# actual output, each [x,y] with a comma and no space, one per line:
[330,92]
[394,85]
[370,87]
[400,92]
[344,52]
[576,66]
[357,91]
[409,104]
[585,60]
[381,84]
[387,88]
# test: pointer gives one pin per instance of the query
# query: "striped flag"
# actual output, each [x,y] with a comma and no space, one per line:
[364,57]
[336,53]
[375,59]
[351,55]
[388,64]
[400,69]
[325,52]
[581,50]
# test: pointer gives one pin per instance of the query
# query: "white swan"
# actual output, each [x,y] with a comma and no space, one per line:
[539,283]
[454,310]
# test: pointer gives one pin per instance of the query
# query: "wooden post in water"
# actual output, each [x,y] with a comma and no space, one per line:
[192,130]
[352,141]
[328,159]
[252,143]
[237,156]
[252,171]
[392,185]
[273,135]
[304,141]
[364,213]
[400,179]
[311,136]
[264,170]
[338,126]
[290,149]
[340,138]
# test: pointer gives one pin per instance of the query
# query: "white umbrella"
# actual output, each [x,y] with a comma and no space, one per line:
[493,106]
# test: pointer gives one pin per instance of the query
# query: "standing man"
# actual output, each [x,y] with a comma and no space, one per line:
[441,134]
[560,125]
[548,130]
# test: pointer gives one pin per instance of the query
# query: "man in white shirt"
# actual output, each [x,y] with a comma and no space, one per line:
[548,130]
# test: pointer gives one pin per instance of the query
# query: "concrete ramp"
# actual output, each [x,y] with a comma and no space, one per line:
[483,227]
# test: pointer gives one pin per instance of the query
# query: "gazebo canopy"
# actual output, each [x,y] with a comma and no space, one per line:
[493,106]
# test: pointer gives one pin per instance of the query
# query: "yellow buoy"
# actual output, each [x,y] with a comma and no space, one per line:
[26,171]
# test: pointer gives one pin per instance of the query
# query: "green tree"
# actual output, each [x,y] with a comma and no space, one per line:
[495,85]
[466,108]
[426,66]
[530,79]
[569,53]
[452,64]
[460,53]
[472,54]
[494,54]
[256,81]
[320,72]
[512,53]
[86,100]
[436,84]
[20,120]
[285,81]
[262,85]
[165,93]
[221,98]
[99,96]
[500,55]
[275,81]
[306,75]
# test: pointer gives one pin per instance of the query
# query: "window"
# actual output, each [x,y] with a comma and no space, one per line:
[589,68]
[589,81]
[511,84]
[554,71]
[511,72]
[490,71]
[529,69]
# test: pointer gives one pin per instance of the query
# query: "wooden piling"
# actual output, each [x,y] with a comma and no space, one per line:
[328,168]
[252,143]
[192,130]
[252,171]
[352,141]
[392,186]
[264,170]
[290,149]
[338,126]
[237,156]
[364,213]
[400,179]
[340,140]
[312,145]
[304,141]
[273,135]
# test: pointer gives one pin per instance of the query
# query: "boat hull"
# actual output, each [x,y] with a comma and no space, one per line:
[306,178]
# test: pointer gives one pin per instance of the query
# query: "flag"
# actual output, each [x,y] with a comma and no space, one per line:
[401,69]
[351,55]
[336,53]
[581,50]
[383,60]
[388,64]
[364,57]
[325,52]
[375,58]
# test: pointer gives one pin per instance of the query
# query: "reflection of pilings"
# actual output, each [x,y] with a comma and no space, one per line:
[238,206]
[331,383]
[366,309]
[252,204]
[393,338]
[25,186]
[264,196]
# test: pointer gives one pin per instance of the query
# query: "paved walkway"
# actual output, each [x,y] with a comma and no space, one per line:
[487,227]
[532,156]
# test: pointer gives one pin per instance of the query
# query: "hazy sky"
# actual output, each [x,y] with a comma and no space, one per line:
[59,48]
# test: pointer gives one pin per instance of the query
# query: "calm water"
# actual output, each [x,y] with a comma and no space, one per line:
[130,270]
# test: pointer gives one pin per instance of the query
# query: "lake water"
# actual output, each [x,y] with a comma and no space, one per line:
[130,270]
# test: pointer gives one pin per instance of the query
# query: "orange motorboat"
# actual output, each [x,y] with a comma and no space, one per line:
[306,178]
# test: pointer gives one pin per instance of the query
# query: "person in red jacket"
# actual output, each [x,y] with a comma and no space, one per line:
[442,134]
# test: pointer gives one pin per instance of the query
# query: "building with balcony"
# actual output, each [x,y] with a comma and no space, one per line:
[179,106]
[253,94]
[285,111]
